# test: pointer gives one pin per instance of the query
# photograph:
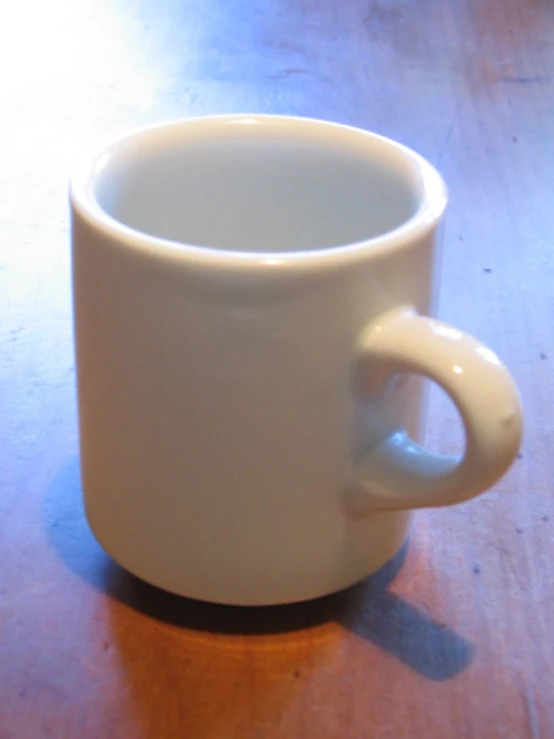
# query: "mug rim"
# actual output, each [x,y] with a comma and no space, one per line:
[432,198]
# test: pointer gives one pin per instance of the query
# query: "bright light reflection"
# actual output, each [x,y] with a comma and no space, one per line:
[446,331]
[487,354]
[457,369]
[101,162]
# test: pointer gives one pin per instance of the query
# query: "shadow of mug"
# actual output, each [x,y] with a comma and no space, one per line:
[368,609]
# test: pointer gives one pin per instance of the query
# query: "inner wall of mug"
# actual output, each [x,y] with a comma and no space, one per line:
[256,193]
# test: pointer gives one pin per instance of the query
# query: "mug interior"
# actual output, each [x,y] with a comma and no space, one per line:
[259,186]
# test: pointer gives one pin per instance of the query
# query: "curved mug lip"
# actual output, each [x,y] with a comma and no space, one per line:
[426,180]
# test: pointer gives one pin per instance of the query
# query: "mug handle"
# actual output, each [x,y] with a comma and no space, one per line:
[396,473]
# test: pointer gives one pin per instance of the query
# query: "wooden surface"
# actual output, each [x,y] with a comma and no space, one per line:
[456,639]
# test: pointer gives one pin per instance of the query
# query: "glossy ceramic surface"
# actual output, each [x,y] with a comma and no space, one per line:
[250,299]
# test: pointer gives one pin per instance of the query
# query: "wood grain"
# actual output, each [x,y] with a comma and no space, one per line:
[455,637]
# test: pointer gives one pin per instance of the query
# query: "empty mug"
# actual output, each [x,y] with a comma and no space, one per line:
[252,301]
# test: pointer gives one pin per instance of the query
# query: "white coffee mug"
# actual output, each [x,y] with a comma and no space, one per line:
[251,298]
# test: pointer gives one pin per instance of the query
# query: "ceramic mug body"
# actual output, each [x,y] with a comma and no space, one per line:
[251,298]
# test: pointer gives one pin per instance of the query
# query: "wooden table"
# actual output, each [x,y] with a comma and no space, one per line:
[455,638]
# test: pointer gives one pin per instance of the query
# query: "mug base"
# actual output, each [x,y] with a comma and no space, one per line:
[375,565]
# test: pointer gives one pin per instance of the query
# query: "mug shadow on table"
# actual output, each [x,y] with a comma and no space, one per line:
[368,609]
